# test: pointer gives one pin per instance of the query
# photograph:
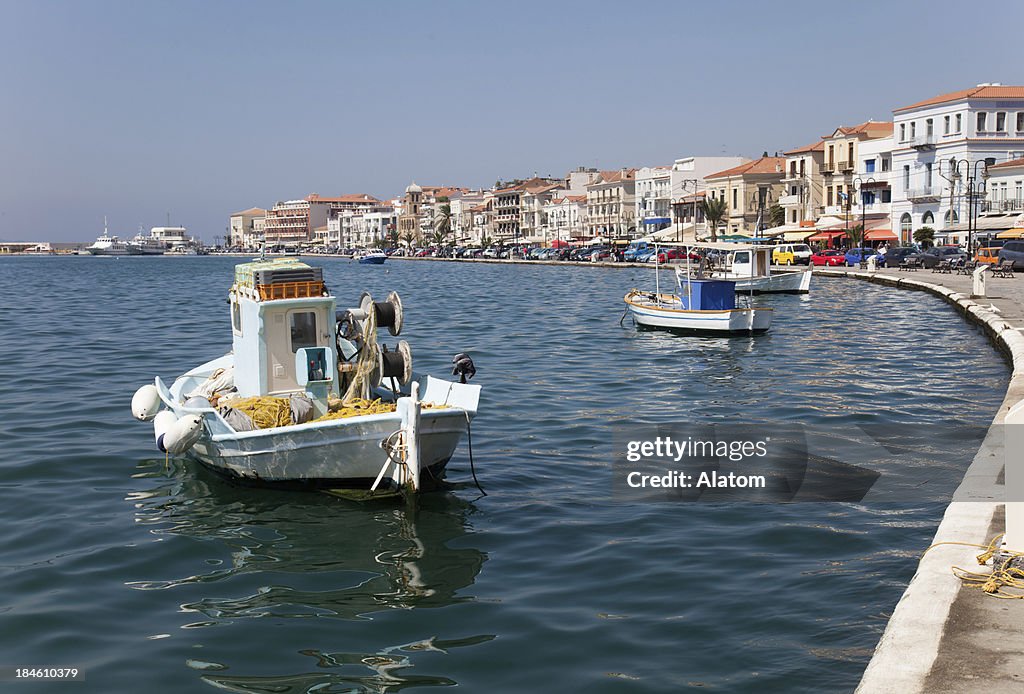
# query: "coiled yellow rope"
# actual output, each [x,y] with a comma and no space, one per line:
[1001,578]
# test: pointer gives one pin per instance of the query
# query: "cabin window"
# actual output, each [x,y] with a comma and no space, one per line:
[303,325]
[236,317]
[741,257]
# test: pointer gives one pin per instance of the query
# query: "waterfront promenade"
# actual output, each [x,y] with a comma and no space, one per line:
[942,636]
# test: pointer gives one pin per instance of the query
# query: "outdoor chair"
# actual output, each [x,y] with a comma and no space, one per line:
[910,264]
[944,267]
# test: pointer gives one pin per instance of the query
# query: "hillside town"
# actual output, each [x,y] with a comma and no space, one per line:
[952,164]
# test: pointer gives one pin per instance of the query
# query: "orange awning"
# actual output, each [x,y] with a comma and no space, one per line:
[880,235]
[826,235]
[1011,234]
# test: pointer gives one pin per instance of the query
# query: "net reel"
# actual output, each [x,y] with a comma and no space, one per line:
[360,357]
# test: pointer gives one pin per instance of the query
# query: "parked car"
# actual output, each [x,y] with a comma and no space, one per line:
[792,254]
[829,257]
[1013,250]
[854,256]
[599,253]
[988,255]
[635,249]
[933,256]
[895,256]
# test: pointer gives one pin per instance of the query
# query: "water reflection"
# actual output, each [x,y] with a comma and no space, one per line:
[304,555]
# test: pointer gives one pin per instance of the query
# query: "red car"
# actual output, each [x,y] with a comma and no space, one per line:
[828,257]
[676,254]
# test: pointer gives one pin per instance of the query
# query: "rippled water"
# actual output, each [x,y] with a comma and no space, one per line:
[165,578]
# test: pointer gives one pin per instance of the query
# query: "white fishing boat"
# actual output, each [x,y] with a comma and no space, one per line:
[146,244]
[701,305]
[307,397]
[750,267]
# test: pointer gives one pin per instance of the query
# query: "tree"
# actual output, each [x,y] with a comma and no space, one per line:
[925,236]
[714,212]
[392,237]
[443,222]
[485,241]
[409,238]
[776,216]
[856,235]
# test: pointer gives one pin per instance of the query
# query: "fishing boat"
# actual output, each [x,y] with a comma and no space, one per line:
[307,397]
[371,257]
[750,267]
[701,305]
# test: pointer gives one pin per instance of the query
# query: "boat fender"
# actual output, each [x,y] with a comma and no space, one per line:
[161,425]
[183,434]
[463,367]
[145,403]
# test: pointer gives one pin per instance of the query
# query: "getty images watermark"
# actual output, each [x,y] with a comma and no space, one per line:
[786,463]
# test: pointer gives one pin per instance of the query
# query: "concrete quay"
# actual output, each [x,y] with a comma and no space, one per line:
[943,637]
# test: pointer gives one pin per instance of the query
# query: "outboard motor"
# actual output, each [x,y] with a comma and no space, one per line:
[464,367]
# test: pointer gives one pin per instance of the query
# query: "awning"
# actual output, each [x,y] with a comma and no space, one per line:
[1011,234]
[798,235]
[657,220]
[826,235]
[880,235]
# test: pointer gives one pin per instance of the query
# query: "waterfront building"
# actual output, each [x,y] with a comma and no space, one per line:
[872,190]
[506,209]
[687,190]
[969,127]
[565,218]
[576,181]
[749,190]
[171,237]
[463,207]
[653,197]
[292,222]
[242,228]
[839,165]
[1005,188]
[409,232]
[611,205]
[803,186]
[533,221]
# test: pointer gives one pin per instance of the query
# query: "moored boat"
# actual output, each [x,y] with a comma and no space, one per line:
[701,305]
[307,396]
[750,267]
[110,245]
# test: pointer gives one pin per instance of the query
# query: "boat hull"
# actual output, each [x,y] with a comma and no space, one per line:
[778,283]
[664,316]
[372,260]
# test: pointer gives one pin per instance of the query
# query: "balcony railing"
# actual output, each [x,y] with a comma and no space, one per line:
[789,200]
[845,166]
[924,194]
[828,168]
[922,142]
[998,206]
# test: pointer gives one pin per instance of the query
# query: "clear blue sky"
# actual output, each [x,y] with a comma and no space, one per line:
[200,108]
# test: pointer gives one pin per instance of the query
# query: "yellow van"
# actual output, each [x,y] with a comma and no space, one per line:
[792,254]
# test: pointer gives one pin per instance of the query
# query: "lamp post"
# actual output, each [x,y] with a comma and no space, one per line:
[858,184]
[973,188]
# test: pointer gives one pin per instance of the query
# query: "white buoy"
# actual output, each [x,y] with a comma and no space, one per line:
[162,423]
[145,403]
[183,434]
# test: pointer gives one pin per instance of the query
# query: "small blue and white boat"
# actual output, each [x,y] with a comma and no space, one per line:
[701,305]
[322,369]
[372,257]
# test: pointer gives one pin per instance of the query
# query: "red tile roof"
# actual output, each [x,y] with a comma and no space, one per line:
[1008,164]
[252,211]
[763,165]
[980,92]
[355,197]
[818,146]
[871,128]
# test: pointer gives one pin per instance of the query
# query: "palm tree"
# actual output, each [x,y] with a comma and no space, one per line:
[443,222]
[776,216]
[485,241]
[392,237]
[409,238]
[714,210]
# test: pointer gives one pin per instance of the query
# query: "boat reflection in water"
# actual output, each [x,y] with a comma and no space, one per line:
[301,555]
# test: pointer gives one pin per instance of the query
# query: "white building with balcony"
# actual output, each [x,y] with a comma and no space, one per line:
[654,197]
[566,218]
[871,189]
[803,186]
[940,152]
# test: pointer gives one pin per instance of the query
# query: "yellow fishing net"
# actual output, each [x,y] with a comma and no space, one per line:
[267,412]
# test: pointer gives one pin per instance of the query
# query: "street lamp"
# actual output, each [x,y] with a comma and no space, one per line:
[971,169]
[858,184]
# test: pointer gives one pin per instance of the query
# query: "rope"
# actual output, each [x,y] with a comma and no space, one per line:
[1001,577]
[359,385]
[469,440]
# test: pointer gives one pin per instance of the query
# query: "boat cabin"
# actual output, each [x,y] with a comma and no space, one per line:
[707,295]
[282,324]
[754,261]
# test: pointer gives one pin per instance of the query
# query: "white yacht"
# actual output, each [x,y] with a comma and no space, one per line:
[110,245]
